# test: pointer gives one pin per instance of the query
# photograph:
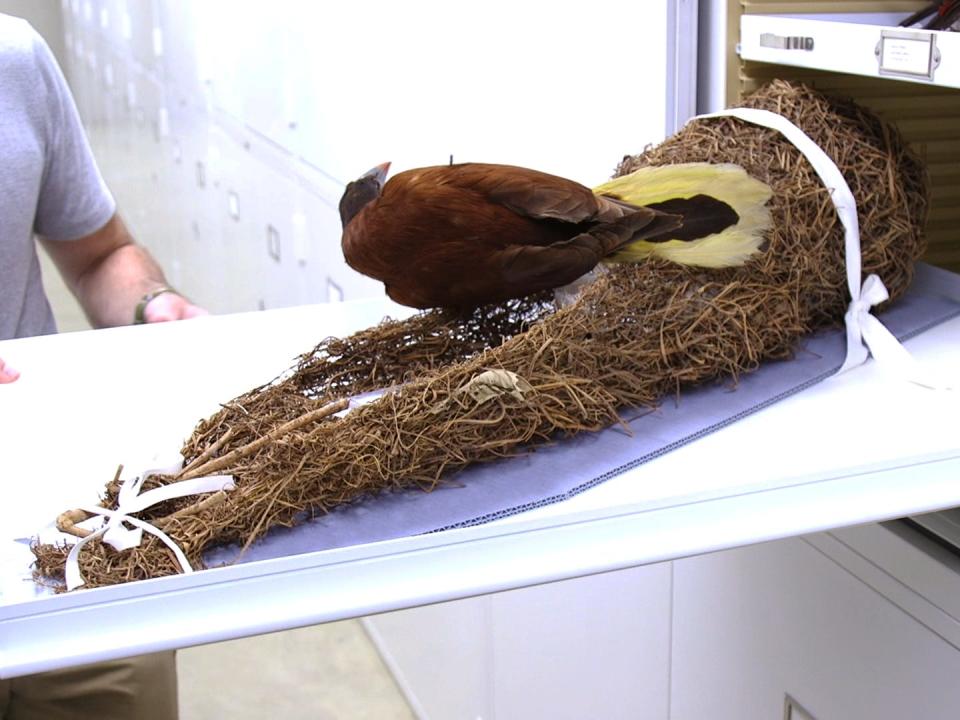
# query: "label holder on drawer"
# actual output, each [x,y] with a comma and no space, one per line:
[905,54]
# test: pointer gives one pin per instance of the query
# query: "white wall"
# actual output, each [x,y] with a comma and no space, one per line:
[227,129]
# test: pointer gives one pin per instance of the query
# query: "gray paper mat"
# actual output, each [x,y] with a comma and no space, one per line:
[553,473]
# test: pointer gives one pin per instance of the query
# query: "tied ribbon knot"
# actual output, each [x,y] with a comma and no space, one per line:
[861,325]
[866,335]
[122,531]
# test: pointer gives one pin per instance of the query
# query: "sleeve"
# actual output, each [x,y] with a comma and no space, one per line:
[74,199]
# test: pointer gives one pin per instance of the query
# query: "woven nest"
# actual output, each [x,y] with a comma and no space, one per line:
[637,334]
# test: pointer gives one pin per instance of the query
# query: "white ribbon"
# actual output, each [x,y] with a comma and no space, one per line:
[864,331]
[129,501]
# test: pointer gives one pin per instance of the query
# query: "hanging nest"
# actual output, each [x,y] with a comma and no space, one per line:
[637,334]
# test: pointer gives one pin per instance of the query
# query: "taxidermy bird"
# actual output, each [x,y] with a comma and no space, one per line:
[463,235]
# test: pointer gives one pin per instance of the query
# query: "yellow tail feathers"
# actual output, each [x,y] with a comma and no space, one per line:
[727,182]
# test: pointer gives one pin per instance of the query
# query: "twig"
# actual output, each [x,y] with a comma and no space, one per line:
[67,522]
[205,504]
[234,455]
[208,453]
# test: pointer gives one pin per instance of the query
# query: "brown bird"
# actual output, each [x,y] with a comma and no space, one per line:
[459,236]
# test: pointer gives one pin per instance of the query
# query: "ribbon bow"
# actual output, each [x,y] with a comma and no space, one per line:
[130,500]
[866,333]
[861,324]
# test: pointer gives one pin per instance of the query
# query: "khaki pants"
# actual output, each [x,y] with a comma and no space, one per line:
[139,688]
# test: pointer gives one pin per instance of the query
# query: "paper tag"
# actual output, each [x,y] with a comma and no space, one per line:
[907,54]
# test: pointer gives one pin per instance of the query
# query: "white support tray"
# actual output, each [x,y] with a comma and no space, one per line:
[855,448]
[870,45]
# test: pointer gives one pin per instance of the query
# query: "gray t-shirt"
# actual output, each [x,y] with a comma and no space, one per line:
[49,181]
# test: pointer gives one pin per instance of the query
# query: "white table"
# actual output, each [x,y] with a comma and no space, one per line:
[856,448]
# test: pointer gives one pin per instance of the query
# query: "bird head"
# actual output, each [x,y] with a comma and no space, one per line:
[365,189]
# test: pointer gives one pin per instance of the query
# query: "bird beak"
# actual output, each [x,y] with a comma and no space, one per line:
[379,173]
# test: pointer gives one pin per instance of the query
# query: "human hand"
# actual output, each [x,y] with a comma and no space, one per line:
[171,306]
[7,373]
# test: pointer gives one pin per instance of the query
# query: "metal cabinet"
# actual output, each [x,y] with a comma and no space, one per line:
[755,626]
[591,647]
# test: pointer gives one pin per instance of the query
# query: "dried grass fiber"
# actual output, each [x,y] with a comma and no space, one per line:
[639,333]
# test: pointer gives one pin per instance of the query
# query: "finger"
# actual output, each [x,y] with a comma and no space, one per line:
[192,311]
[7,373]
[171,306]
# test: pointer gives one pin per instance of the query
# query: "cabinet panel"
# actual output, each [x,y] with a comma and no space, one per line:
[755,624]
[439,656]
[595,647]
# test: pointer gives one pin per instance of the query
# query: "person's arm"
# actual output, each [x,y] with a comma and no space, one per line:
[110,274]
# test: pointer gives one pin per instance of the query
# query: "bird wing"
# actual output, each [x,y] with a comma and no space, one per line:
[532,193]
[537,267]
